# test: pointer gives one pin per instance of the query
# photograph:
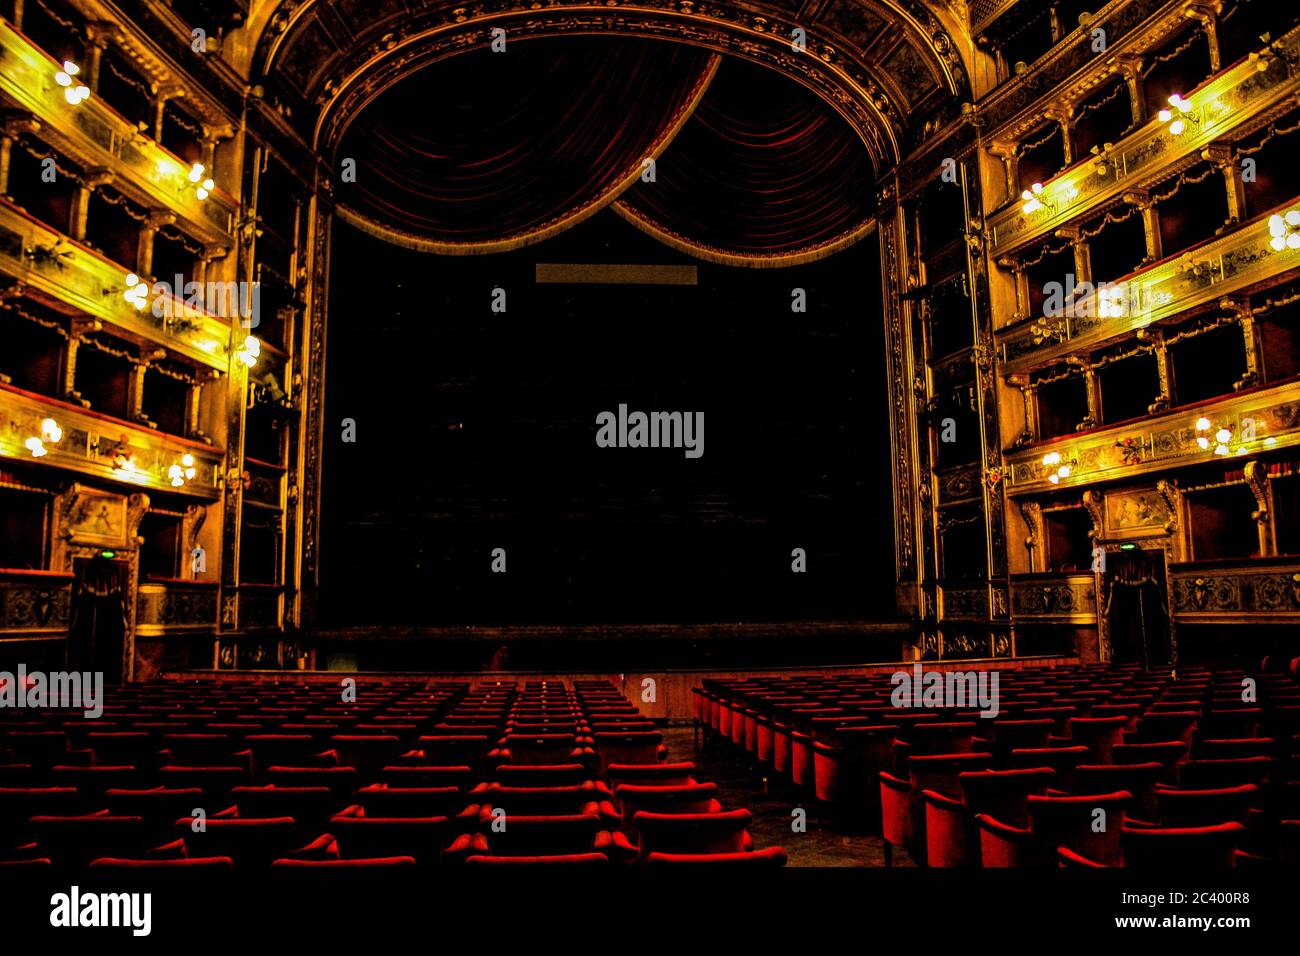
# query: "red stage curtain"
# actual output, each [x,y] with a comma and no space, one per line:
[764,173]
[488,151]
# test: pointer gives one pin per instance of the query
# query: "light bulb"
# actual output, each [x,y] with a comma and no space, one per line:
[1202,424]
[35,446]
[1064,471]
[196,172]
[201,193]
[1276,226]
[1051,459]
[1177,127]
[1293,241]
[1203,442]
[1223,435]
[1293,217]
[1164,116]
[51,432]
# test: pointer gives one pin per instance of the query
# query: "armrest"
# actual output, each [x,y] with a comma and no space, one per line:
[622,847]
[942,801]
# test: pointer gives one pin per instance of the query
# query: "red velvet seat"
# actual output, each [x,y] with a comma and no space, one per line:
[846,769]
[453,750]
[560,860]
[1157,726]
[1183,848]
[159,807]
[659,774]
[1098,734]
[1232,749]
[632,747]
[215,782]
[249,842]
[688,833]
[19,804]
[1197,808]
[362,837]
[534,835]
[368,753]
[76,840]
[1055,822]
[285,750]
[692,798]
[538,801]
[311,807]
[341,781]
[1139,779]
[345,866]
[200,750]
[183,864]
[124,748]
[952,836]
[540,775]
[1209,774]
[1168,753]
[1061,759]
[381,800]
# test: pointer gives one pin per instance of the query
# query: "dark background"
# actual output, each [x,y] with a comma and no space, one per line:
[476,430]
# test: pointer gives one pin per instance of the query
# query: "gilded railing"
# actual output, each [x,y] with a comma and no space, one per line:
[1258,421]
[1222,103]
[167,607]
[34,604]
[1260,590]
[96,135]
[1064,598]
[103,447]
[1226,264]
[49,262]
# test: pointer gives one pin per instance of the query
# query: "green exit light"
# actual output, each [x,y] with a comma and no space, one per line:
[1128,547]
[108,554]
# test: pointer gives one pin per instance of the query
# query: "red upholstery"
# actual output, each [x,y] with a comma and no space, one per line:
[1183,847]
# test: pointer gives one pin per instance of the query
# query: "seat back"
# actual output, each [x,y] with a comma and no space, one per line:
[1183,848]
[1072,822]
[693,832]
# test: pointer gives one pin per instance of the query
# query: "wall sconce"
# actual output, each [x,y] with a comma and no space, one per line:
[205,186]
[1176,124]
[51,434]
[249,352]
[1102,152]
[182,471]
[1058,466]
[1222,437]
[1284,230]
[1031,201]
[136,292]
[74,91]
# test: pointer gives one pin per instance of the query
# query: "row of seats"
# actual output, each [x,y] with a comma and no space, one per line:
[209,774]
[1083,765]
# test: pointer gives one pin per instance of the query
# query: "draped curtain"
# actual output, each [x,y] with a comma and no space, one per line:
[490,151]
[765,173]
[484,152]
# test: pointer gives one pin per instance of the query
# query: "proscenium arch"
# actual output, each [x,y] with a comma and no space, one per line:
[392,48]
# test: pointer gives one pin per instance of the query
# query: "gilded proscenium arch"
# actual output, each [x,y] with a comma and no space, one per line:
[869,111]
[831,66]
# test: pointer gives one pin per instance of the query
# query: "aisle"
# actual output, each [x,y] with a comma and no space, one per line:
[738,786]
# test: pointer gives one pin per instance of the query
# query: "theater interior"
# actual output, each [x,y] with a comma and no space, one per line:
[359,519]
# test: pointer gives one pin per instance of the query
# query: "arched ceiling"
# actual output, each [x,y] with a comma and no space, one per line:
[887,66]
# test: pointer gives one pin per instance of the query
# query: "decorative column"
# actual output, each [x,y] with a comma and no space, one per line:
[1130,68]
[1207,13]
[100,34]
[159,104]
[1164,369]
[1150,213]
[12,125]
[156,219]
[81,201]
[1222,156]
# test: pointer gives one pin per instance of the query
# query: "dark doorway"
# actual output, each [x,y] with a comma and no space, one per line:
[1136,608]
[97,629]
